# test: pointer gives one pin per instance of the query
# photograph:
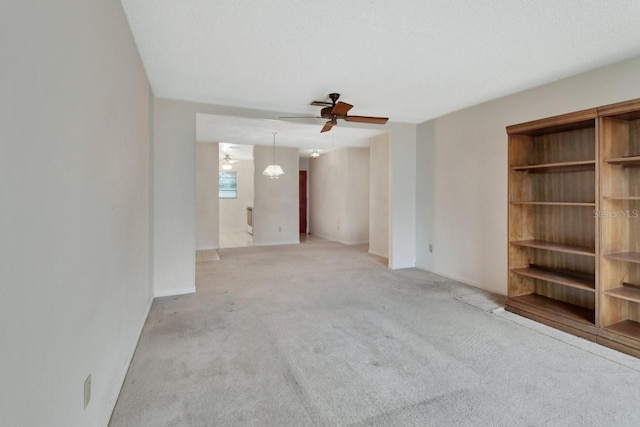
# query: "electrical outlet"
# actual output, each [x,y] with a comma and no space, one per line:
[87,391]
[430,247]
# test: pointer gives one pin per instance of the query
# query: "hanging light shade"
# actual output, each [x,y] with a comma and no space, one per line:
[315,154]
[274,170]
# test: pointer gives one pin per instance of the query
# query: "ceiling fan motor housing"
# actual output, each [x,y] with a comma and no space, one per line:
[326,113]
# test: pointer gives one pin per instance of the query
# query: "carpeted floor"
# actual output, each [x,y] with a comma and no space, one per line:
[321,334]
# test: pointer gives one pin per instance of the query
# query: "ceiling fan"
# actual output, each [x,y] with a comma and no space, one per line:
[335,110]
[227,161]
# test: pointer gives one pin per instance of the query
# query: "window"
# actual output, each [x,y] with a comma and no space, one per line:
[228,185]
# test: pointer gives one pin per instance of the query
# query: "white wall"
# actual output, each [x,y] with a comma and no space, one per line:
[462,163]
[339,190]
[379,196]
[358,195]
[327,196]
[75,224]
[304,163]
[275,204]
[402,195]
[233,212]
[207,195]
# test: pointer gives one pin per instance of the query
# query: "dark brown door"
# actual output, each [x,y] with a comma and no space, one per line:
[303,202]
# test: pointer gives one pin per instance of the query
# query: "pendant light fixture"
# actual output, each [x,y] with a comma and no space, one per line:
[315,154]
[274,170]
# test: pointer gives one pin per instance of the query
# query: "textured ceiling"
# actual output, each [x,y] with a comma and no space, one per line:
[410,60]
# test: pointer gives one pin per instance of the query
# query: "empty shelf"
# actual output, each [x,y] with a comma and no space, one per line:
[633,257]
[557,308]
[556,247]
[621,197]
[590,204]
[573,280]
[627,328]
[576,166]
[628,293]
[631,161]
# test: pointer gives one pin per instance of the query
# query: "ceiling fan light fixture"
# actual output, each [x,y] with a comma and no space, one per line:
[315,154]
[274,170]
[226,162]
[335,110]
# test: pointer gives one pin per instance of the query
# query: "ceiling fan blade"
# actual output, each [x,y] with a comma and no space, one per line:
[367,119]
[341,108]
[321,103]
[327,126]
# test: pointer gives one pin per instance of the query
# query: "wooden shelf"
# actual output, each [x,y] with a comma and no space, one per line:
[633,257]
[621,197]
[566,262]
[626,292]
[625,162]
[557,308]
[577,166]
[627,328]
[560,277]
[563,123]
[590,204]
[555,247]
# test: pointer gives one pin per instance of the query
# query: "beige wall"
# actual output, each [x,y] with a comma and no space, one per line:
[207,202]
[75,283]
[402,195]
[462,175]
[275,209]
[379,196]
[339,196]
[233,212]
[358,195]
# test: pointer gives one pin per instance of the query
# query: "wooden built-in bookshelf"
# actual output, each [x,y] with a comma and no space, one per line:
[574,223]
[619,316]
[552,230]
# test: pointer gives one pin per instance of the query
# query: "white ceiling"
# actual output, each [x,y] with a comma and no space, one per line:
[409,60]
[243,133]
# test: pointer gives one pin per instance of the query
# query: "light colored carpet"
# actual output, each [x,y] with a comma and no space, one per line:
[323,334]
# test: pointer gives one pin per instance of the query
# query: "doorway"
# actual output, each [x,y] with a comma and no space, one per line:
[235,189]
[302,201]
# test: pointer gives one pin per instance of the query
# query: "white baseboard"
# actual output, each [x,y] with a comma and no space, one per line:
[344,242]
[377,254]
[352,243]
[323,237]
[292,242]
[401,266]
[114,397]
[174,291]
[208,248]
[453,277]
